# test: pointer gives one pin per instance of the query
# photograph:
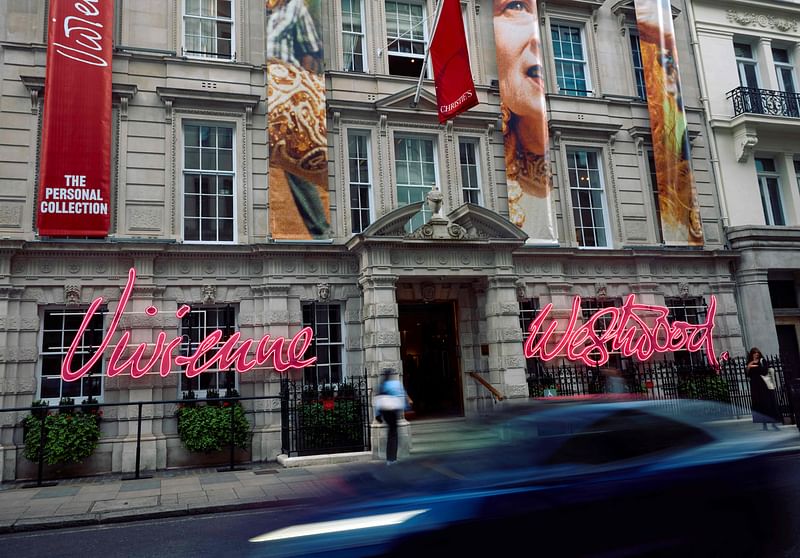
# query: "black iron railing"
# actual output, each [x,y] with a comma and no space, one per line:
[764,101]
[330,418]
[663,380]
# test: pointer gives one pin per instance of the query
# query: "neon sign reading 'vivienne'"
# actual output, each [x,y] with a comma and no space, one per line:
[229,354]
[626,333]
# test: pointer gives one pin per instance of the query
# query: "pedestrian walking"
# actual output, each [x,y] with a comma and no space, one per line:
[762,390]
[390,402]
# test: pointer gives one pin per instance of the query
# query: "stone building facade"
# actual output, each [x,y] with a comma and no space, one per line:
[748,53]
[438,303]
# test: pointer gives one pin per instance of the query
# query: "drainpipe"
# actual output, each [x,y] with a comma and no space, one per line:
[712,141]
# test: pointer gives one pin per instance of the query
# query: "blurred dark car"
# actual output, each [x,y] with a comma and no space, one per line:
[625,478]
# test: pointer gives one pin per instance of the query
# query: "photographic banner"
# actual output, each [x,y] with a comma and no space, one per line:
[75,168]
[455,90]
[677,195]
[299,205]
[525,134]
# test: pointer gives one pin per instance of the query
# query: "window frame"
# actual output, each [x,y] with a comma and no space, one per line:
[390,39]
[233,173]
[590,306]
[581,27]
[742,62]
[763,187]
[318,339]
[476,152]
[188,348]
[367,135]
[81,310]
[425,213]
[650,160]
[364,50]
[604,198]
[694,313]
[639,86]
[529,308]
[203,56]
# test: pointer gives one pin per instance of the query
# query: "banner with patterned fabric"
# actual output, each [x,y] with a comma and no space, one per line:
[677,195]
[299,205]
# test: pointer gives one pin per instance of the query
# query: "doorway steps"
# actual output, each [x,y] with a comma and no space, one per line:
[445,435]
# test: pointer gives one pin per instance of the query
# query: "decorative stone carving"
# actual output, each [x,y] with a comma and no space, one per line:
[428,292]
[72,294]
[435,199]
[209,294]
[762,20]
[683,290]
[522,293]
[323,292]
[601,290]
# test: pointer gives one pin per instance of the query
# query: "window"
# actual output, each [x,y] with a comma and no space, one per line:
[470,173]
[198,324]
[406,30]
[746,64]
[208,28]
[769,185]
[638,67]
[360,179]
[326,322]
[785,72]
[353,36]
[571,71]
[651,167]
[59,328]
[588,203]
[208,177]
[589,307]
[415,168]
[691,311]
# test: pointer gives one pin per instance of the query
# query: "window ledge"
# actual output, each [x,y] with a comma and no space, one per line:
[120,92]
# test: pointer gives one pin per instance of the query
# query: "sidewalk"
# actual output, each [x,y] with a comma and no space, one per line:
[109,499]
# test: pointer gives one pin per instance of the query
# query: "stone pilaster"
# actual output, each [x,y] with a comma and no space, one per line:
[758,320]
[506,360]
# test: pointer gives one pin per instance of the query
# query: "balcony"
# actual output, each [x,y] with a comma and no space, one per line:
[764,101]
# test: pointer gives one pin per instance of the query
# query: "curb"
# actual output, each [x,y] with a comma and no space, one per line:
[108,519]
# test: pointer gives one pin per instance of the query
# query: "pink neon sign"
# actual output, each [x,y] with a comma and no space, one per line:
[231,353]
[626,333]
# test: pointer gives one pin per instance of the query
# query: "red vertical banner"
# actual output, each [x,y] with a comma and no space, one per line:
[677,195]
[455,90]
[75,168]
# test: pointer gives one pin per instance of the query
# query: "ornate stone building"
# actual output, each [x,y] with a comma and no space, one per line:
[439,302]
[748,53]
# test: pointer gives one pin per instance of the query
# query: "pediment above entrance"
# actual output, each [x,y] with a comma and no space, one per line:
[466,223]
[402,100]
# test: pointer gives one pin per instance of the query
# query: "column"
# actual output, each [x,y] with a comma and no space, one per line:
[381,344]
[506,360]
[755,306]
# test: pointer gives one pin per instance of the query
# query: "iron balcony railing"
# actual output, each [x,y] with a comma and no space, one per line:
[764,101]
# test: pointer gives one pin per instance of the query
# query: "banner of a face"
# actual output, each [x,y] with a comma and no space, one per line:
[298,164]
[677,195]
[522,97]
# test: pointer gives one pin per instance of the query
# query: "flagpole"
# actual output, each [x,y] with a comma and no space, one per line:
[427,53]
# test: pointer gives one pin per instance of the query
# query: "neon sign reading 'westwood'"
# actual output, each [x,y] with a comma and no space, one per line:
[231,353]
[626,332]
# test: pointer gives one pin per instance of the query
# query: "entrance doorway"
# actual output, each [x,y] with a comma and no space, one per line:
[789,348]
[429,349]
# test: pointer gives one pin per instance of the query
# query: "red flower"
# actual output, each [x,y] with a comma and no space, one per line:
[226,404]
[100,413]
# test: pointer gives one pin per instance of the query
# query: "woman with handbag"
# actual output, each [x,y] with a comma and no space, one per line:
[762,390]
[389,403]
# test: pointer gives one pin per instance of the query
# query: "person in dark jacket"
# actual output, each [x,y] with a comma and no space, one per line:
[762,390]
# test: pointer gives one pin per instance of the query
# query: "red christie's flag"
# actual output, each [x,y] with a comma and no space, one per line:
[455,90]
[74,180]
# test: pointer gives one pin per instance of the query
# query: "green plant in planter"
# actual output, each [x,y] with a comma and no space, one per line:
[71,437]
[208,428]
[708,387]
[323,428]
[212,396]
